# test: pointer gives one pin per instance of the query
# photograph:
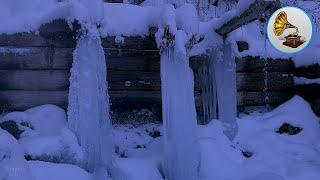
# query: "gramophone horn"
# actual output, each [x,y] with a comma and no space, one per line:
[281,23]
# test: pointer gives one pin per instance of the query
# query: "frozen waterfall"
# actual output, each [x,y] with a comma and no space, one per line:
[225,79]
[179,116]
[88,111]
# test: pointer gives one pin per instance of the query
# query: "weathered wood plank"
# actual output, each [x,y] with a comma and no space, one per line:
[311,72]
[138,43]
[34,80]
[310,91]
[254,12]
[33,40]
[250,64]
[130,80]
[21,100]
[47,58]
[36,58]
[256,64]
[259,98]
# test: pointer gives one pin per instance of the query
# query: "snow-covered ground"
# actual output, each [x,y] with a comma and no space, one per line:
[282,144]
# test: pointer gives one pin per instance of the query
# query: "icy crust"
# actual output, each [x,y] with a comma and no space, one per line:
[45,135]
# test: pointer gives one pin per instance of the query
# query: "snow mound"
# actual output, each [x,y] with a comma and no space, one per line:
[137,169]
[26,16]
[272,155]
[45,136]
[13,166]
[51,171]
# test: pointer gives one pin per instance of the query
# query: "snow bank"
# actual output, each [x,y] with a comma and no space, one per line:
[52,171]
[13,166]
[128,20]
[26,16]
[304,81]
[45,136]
[279,156]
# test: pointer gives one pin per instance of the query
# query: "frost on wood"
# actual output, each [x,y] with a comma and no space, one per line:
[179,116]
[88,114]
[225,76]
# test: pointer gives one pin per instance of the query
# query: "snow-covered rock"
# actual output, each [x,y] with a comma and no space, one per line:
[45,135]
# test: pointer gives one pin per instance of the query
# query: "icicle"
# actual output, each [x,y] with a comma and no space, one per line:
[208,91]
[179,116]
[88,111]
[225,74]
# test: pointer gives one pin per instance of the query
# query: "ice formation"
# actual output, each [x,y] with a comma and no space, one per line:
[179,116]
[225,78]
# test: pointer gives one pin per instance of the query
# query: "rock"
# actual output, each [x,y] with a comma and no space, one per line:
[12,128]
[288,129]
[242,46]
[247,154]
[155,134]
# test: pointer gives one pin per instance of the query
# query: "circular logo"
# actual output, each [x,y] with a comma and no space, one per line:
[290,29]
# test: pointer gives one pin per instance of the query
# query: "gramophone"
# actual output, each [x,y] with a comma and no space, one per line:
[281,23]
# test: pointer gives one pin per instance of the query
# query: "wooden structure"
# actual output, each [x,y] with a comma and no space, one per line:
[35,70]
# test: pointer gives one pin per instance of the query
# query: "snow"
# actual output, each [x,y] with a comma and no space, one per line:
[259,44]
[13,166]
[51,171]
[304,81]
[46,119]
[274,156]
[26,16]
[45,135]
[117,23]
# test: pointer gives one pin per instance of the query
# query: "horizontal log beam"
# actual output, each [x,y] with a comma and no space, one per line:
[131,80]
[21,100]
[255,11]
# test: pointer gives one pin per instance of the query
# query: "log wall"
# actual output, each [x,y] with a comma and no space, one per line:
[35,71]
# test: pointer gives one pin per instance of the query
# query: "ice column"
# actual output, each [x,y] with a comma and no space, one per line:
[88,111]
[179,116]
[225,75]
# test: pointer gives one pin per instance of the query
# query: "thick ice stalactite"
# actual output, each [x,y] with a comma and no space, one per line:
[88,111]
[179,116]
[225,74]
[208,91]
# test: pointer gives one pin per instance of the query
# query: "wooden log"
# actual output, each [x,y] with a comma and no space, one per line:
[259,98]
[147,43]
[311,72]
[309,92]
[32,40]
[42,58]
[255,11]
[130,80]
[34,80]
[256,64]
[21,100]
[48,58]
[250,64]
